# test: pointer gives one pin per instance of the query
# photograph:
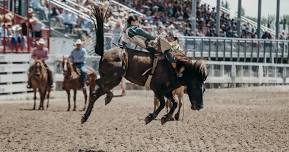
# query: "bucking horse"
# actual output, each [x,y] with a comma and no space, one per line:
[135,66]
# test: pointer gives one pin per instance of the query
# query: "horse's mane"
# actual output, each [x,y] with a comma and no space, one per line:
[196,68]
[70,68]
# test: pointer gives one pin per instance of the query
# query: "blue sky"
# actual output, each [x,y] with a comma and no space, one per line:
[250,6]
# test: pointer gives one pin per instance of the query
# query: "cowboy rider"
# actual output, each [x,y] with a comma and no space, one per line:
[136,35]
[41,53]
[78,58]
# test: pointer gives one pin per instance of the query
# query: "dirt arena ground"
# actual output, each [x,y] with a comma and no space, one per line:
[247,119]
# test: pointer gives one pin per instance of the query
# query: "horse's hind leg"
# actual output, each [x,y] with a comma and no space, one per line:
[108,97]
[102,87]
[93,97]
[85,98]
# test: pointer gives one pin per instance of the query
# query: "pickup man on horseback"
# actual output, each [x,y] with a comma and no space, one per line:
[78,57]
[40,53]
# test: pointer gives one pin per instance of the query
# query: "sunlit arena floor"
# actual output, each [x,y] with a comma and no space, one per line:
[246,119]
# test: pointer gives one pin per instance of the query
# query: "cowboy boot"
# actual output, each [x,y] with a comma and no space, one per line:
[50,79]
[171,59]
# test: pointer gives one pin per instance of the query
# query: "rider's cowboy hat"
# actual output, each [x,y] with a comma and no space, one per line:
[78,42]
[40,41]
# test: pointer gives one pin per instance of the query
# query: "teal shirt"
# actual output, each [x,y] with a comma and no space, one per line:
[134,30]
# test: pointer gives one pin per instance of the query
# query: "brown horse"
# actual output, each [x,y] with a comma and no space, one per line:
[179,92]
[72,81]
[116,63]
[39,81]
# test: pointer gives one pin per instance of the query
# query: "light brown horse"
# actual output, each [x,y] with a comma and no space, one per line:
[72,81]
[179,92]
[39,81]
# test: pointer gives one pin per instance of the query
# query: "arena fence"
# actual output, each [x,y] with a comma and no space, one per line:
[222,49]
[13,74]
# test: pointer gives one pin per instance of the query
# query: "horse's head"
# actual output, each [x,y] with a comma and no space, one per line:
[37,68]
[195,75]
[65,65]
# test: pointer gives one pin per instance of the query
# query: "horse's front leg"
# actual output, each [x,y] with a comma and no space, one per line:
[168,116]
[153,115]
[68,98]
[74,99]
[42,94]
[34,105]
[177,115]
[48,95]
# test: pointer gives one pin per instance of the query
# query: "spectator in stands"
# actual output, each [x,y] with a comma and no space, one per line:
[41,53]
[266,35]
[16,38]
[69,20]
[282,36]
[116,33]
[78,58]
[37,27]
[39,7]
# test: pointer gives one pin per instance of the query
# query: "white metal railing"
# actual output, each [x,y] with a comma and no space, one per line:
[71,10]
[251,22]
[256,50]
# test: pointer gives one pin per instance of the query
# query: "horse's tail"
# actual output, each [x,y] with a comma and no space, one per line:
[99,16]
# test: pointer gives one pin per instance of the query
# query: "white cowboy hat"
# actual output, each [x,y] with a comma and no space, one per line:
[78,42]
[41,41]
[30,10]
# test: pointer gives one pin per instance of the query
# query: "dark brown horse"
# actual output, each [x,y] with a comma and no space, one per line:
[132,64]
[39,81]
[72,81]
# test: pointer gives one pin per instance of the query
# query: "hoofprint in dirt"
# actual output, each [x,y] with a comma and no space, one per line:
[247,119]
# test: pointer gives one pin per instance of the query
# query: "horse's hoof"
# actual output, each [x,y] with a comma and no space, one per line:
[166,118]
[83,119]
[108,99]
[68,109]
[149,118]
[74,109]
[177,116]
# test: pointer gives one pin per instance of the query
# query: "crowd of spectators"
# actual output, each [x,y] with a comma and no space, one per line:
[175,14]
[16,31]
